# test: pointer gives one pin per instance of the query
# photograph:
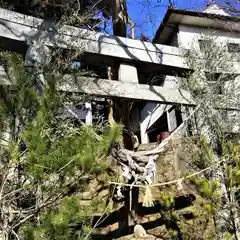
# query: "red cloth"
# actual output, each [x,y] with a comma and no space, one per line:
[162,136]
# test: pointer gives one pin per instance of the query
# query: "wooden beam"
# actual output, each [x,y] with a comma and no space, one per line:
[125,90]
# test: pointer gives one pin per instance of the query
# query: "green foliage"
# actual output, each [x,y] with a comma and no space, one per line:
[207,189]
[52,146]
[167,200]
[210,201]
[56,163]
[228,236]
[67,222]
[206,154]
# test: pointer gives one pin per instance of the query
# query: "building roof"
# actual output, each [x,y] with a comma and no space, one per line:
[212,17]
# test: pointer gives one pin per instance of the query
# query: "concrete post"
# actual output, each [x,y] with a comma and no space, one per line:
[128,73]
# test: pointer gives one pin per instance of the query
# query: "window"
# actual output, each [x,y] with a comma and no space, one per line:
[212,76]
[215,87]
[233,47]
[204,44]
[205,51]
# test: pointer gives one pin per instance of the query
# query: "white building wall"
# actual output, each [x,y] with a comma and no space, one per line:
[188,37]
[172,81]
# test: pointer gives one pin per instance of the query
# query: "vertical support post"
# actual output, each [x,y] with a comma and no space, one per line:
[184,114]
[127,73]
[88,118]
[193,121]
[171,119]
[143,131]
[132,218]
[110,102]
[191,126]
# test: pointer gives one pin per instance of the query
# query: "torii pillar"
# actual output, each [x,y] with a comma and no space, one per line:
[126,73]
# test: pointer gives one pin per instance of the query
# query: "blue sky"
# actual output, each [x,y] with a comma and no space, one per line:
[148,14]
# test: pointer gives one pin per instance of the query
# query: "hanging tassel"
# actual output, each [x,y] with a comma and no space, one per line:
[179,185]
[148,198]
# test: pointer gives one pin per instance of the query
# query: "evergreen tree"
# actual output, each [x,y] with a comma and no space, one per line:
[46,161]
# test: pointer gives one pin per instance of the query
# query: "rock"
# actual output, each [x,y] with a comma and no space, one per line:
[128,237]
[132,237]
[160,232]
[139,231]
[86,195]
[113,227]
[154,217]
